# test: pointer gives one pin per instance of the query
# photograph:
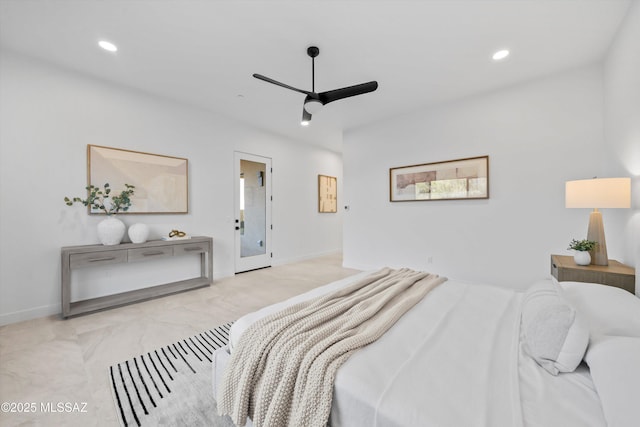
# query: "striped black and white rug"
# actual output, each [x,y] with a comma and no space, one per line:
[169,386]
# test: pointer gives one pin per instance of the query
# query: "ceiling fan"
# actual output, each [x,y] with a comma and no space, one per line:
[315,101]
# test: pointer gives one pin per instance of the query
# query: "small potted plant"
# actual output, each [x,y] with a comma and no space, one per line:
[582,248]
[110,230]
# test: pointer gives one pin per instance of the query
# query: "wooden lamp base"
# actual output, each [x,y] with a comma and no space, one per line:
[596,233]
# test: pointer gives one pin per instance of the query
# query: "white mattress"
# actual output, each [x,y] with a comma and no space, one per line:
[453,360]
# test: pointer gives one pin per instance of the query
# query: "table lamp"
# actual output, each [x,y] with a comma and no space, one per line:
[598,193]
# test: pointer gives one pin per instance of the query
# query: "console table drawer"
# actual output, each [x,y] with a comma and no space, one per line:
[91,259]
[190,248]
[149,253]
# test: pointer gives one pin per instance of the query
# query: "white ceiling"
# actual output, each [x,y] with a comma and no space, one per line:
[422,53]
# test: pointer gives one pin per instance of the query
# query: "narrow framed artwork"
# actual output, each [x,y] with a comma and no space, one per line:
[460,179]
[161,182]
[327,194]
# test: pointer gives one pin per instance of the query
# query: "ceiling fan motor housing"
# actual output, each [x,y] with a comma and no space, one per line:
[313,105]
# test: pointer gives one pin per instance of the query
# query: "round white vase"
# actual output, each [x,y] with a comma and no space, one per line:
[111,231]
[582,258]
[138,233]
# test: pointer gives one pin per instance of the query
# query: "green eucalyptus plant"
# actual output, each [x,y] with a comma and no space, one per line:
[582,245]
[98,198]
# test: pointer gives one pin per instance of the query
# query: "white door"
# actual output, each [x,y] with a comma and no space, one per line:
[252,211]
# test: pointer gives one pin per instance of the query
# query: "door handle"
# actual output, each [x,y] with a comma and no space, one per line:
[237,228]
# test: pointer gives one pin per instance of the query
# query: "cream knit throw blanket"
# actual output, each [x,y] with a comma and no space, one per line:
[281,372]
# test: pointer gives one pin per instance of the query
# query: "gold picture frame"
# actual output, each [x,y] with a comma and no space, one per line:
[327,194]
[161,182]
[461,179]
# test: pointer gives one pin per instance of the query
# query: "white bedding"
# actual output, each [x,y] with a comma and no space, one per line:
[453,360]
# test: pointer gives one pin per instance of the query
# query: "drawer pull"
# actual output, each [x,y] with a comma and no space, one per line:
[193,249]
[111,258]
[153,253]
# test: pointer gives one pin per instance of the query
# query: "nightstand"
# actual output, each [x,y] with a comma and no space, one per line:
[615,274]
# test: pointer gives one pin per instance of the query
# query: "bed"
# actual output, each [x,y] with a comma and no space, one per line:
[470,354]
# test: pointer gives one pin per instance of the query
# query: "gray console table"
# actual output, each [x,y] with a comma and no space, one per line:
[74,257]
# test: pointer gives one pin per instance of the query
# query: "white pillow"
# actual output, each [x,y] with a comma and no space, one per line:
[613,316]
[608,310]
[555,334]
[613,362]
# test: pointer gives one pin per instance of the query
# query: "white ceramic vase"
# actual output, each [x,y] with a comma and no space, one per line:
[111,231]
[582,258]
[138,233]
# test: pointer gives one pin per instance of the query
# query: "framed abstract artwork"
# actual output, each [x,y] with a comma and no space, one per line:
[460,179]
[161,182]
[327,194]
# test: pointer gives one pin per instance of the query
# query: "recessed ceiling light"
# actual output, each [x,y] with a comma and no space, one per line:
[107,46]
[500,55]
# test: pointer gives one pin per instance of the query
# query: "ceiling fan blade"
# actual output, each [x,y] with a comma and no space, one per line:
[306,117]
[346,92]
[275,82]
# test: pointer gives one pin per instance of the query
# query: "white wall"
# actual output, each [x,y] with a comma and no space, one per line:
[49,115]
[622,124]
[537,135]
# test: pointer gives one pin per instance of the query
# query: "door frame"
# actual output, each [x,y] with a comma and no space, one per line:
[243,264]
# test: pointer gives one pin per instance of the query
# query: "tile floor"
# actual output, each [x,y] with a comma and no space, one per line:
[48,361]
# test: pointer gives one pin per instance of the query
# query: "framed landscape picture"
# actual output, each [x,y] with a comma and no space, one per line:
[460,179]
[327,194]
[161,182]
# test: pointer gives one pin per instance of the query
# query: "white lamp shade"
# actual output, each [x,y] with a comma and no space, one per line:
[598,193]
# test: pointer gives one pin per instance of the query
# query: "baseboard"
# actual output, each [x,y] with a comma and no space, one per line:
[29,314]
[363,266]
[283,261]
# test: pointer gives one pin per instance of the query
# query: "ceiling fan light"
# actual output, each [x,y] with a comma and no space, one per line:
[500,55]
[313,106]
[108,46]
